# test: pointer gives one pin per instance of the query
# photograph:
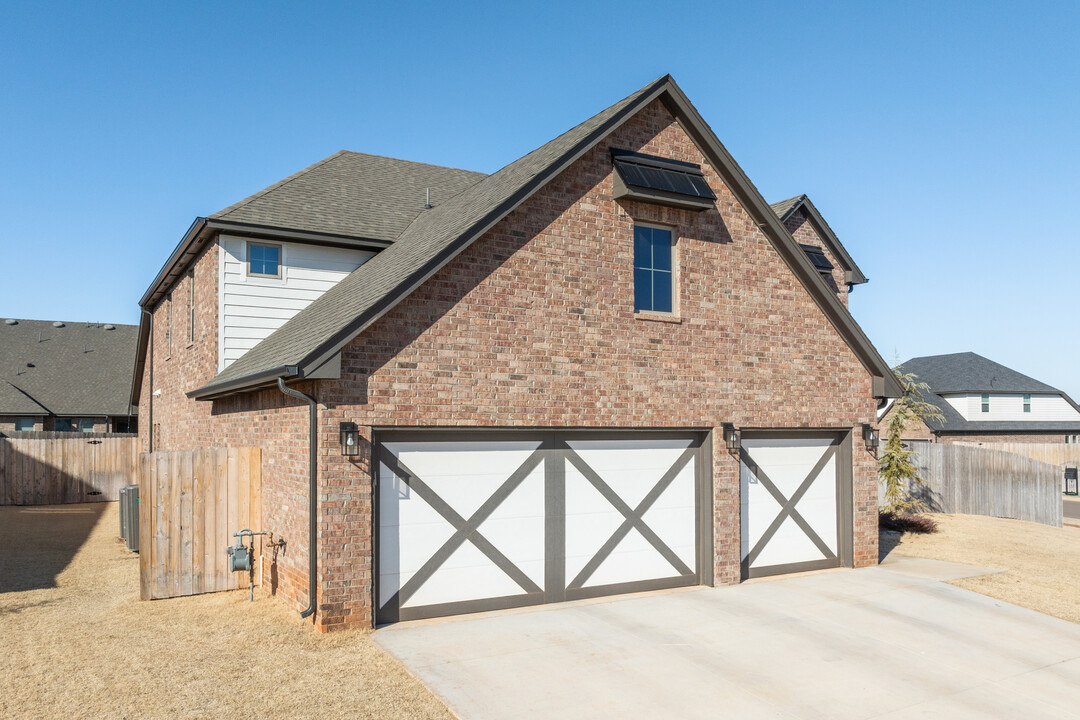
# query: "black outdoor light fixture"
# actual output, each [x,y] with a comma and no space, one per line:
[870,436]
[350,439]
[731,437]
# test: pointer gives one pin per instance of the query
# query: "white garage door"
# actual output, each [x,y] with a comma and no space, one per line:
[795,497]
[487,520]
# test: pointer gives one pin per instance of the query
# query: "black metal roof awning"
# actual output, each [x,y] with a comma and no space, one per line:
[659,180]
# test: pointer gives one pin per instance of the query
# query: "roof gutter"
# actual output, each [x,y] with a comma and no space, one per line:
[263,378]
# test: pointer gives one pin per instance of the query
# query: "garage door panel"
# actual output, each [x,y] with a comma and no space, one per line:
[468,574]
[491,522]
[791,493]
[464,475]
[633,559]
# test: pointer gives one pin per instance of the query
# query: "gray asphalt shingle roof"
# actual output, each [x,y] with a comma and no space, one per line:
[430,235]
[784,207]
[352,194]
[969,372]
[77,369]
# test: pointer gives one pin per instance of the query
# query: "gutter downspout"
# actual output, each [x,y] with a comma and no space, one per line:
[313,439]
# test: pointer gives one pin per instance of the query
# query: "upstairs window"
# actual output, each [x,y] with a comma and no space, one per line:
[986,402]
[1027,403]
[653,277]
[168,326]
[264,260]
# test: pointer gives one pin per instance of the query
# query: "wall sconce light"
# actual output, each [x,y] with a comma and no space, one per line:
[870,437]
[350,439]
[731,437]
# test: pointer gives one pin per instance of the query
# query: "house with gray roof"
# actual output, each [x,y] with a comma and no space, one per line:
[982,400]
[66,376]
[609,366]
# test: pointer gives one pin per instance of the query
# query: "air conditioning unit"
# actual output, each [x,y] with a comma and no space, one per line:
[129,516]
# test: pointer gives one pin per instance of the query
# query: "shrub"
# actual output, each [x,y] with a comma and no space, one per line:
[906,522]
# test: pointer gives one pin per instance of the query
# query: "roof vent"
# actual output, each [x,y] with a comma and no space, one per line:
[11,321]
[58,324]
[110,327]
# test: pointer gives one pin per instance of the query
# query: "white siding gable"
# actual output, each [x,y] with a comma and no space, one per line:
[250,308]
[1010,407]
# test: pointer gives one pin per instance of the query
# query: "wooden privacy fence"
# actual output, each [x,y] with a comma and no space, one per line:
[977,481]
[1059,454]
[190,504]
[58,468]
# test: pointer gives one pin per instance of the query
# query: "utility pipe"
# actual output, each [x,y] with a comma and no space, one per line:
[313,439]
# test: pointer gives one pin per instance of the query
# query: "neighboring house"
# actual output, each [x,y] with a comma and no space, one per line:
[66,377]
[528,383]
[984,401]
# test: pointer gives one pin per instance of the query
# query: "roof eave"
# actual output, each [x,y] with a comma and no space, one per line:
[264,378]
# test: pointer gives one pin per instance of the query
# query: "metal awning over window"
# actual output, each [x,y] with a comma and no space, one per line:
[659,180]
[817,258]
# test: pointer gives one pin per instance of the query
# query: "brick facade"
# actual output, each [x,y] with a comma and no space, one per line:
[803,231]
[533,326]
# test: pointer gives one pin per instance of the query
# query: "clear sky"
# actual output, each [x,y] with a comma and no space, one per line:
[941,140]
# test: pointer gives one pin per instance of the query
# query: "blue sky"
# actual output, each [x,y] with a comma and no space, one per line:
[938,139]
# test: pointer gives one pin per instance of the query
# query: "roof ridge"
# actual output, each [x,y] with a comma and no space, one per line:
[276,186]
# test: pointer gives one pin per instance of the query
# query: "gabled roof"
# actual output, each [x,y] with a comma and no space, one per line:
[76,369]
[969,372]
[314,336]
[352,194]
[786,208]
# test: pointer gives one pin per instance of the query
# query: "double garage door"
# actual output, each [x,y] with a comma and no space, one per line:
[488,520]
[495,520]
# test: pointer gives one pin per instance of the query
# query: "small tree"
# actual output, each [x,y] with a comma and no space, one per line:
[895,468]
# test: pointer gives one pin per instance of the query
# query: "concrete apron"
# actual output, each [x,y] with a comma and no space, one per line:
[892,641]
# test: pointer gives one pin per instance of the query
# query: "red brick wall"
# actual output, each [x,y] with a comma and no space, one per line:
[534,326]
[804,232]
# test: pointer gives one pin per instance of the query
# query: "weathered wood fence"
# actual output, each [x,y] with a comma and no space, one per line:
[978,481]
[1058,454]
[190,504]
[58,468]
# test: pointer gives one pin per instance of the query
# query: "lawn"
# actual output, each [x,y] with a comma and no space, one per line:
[77,641]
[1041,563]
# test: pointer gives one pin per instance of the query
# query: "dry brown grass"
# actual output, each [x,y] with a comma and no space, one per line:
[1041,563]
[88,647]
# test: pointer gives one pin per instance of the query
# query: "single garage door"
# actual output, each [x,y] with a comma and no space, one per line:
[488,520]
[795,502]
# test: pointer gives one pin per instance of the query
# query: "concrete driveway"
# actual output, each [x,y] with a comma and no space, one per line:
[885,642]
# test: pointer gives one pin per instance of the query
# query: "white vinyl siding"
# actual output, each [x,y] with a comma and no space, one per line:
[251,308]
[1011,407]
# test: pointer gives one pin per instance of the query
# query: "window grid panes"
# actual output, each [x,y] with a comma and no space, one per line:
[264,259]
[986,403]
[1027,403]
[653,276]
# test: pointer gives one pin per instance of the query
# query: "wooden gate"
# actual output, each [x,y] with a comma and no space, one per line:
[190,504]
[57,468]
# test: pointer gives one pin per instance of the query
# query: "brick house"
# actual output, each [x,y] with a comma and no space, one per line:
[607,367]
[66,377]
[987,402]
